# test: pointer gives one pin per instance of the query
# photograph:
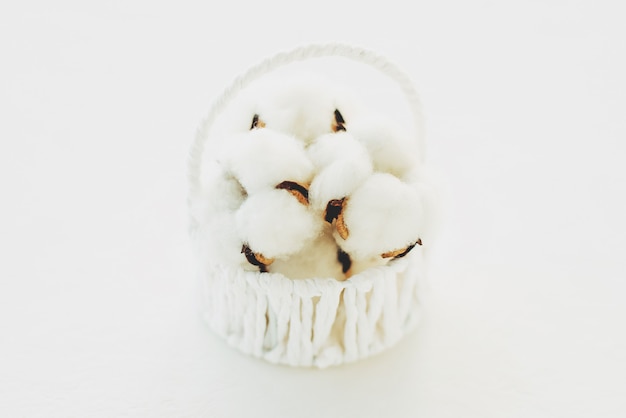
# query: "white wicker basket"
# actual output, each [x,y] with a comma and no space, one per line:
[308,322]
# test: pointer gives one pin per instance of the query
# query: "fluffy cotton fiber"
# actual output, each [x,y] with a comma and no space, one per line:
[263,158]
[341,165]
[381,216]
[304,106]
[369,162]
[391,148]
[276,224]
[317,259]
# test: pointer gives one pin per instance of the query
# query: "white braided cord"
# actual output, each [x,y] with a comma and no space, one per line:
[313,322]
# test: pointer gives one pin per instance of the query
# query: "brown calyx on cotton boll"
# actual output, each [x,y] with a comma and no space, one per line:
[299,191]
[256,259]
[338,124]
[345,261]
[342,229]
[333,209]
[401,252]
[257,123]
[334,215]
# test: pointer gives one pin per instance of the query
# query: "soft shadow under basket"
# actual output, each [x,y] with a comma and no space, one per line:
[316,322]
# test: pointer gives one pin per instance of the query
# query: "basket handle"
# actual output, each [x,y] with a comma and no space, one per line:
[300,54]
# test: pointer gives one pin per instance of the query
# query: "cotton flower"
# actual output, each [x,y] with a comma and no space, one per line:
[319,258]
[382,218]
[304,106]
[341,165]
[263,158]
[275,224]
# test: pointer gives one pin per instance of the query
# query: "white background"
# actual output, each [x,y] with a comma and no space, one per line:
[525,106]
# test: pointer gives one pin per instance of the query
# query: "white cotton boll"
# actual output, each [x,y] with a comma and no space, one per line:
[392,149]
[317,259]
[222,191]
[218,242]
[219,193]
[434,190]
[342,164]
[275,224]
[381,216]
[337,181]
[329,148]
[263,158]
[304,106]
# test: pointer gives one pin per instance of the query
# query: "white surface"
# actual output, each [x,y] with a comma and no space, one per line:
[525,107]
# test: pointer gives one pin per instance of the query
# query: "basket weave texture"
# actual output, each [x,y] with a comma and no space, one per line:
[316,322]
